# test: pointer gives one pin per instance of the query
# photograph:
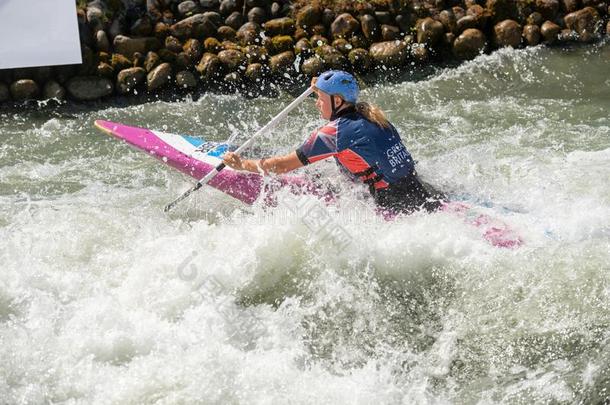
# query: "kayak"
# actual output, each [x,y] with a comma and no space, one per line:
[196,157]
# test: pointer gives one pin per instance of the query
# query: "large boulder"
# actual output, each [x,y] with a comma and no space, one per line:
[313,66]
[429,31]
[360,59]
[128,46]
[185,79]
[197,26]
[369,27]
[232,59]
[281,63]
[129,79]
[24,89]
[531,34]
[279,26]
[53,90]
[332,57]
[548,8]
[507,33]
[87,88]
[389,53]
[344,26]
[309,16]
[550,31]
[209,67]
[469,44]
[502,9]
[159,76]
[583,22]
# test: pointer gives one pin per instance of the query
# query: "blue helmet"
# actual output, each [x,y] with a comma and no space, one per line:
[339,83]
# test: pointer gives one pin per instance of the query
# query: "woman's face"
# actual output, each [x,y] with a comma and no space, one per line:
[323,104]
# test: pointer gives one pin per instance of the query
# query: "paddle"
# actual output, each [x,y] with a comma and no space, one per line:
[246,144]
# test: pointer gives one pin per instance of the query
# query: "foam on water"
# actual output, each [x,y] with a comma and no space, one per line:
[105,299]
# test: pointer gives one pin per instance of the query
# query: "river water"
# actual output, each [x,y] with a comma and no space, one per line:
[106,299]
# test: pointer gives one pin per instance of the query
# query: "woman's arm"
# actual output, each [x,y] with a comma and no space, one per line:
[277,164]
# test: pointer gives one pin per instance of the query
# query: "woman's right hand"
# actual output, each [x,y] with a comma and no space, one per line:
[233,160]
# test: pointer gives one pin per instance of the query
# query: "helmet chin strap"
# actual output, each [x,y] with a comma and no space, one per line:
[334,109]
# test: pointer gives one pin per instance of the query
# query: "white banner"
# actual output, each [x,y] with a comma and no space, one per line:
[38,33]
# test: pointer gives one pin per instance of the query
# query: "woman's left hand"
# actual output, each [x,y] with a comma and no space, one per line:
[233,160]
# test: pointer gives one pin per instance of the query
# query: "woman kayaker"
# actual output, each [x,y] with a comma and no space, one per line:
[363,143]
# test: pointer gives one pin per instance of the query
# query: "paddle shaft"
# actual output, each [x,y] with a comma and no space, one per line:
[271,124]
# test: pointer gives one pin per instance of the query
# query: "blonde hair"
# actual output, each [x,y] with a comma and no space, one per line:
[373,114]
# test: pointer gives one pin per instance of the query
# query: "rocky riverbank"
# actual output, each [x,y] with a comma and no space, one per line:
[138,48]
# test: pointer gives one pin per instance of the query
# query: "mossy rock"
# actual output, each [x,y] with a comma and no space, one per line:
[313,66]
[232,59]
[360,60]
[282,62]
[332,57]
[209,67]
[281,43]
[120,62]
[255,54]
[279,26]
[212,45]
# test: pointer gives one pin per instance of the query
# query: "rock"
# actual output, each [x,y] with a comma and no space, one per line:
[389,53]
[478,12]
[507,33]
[255,72]
[256,54]
[359,41]
[186,79]
[24,89]
[167,56]
[583,22]
[570,6]
[197,26]
[332,58]
[429,31]
[87,88]
[531,34]
[161,30]
[608,28]
[384,17]
[128,46]
[303,46]
[447,18]
[53,90]
[404,22]
[548,8]
[102,44]
[159,76]
[309,16]
[128,79]
[318,30]
[232,59]
[95,17]
[209,67]
[459,12]
[469,44]
[342,45]
[151,61]
[211,44]
[120,62]
[193,50]
[228,6]
[466,22]
[369,26]
[535,18]
[502,9]
[105,70]
[257,15]
[281,63]
[226,33]
[226,45]
[420,53]
[328,16]
[318,40]
[276,10]
[360,59]
[279,26]
[389,32]
[142,27]
[550,31]
[344,26]
[173,44]
[187,8]
[4,93]
[281,43]
[235,20]
[89,64]
[248,34]
[209,4]
[313,66]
